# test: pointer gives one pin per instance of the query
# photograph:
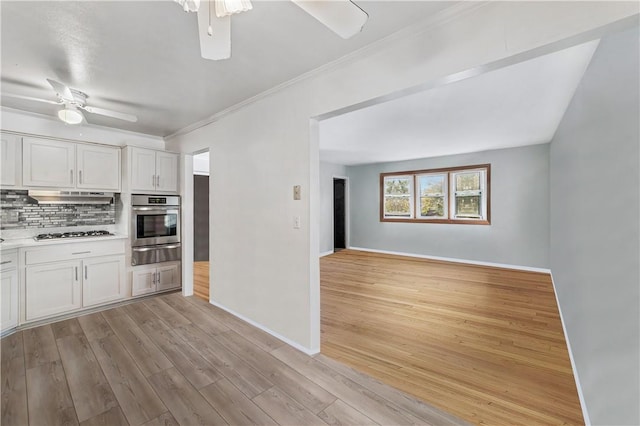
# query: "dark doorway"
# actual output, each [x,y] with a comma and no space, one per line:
[200,218]
[339,213]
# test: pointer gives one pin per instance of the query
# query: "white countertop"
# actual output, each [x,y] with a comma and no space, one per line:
[15,243]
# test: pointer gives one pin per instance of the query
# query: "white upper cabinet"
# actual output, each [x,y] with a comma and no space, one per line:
[67,165]
[153,171]
[48,163]
[166,172]
[98,167]
[8,157]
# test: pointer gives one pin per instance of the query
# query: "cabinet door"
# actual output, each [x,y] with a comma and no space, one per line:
[144,281]
[52,288]
[8,159]
[103,280]
[98,167]
[143,169]
[9,301]
[48,163]
[168,277]
[167,172]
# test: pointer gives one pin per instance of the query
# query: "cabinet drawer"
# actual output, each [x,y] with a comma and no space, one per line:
[9,260]
[58,252]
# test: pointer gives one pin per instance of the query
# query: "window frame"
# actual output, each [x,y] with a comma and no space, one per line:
[449,195]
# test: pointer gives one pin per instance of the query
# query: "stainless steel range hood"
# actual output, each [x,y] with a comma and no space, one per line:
[71,197]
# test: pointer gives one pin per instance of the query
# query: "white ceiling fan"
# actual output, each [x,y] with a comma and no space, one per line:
[73,101]
[343,17]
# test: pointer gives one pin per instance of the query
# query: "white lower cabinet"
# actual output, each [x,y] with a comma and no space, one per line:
[103,280]
[8,290]
[53,288]
[64,278]
[149,279]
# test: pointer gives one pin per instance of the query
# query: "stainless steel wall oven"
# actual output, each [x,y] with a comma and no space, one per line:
[155,227]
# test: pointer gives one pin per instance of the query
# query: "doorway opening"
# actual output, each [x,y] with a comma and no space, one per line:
[339,214]
[201,225]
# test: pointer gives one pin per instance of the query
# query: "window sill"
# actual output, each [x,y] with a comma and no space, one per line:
[449,221]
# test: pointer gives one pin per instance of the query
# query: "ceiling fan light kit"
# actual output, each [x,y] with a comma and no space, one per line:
[70,115]
[231,7]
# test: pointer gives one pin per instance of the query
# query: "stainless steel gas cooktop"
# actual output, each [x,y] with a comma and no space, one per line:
[74,234]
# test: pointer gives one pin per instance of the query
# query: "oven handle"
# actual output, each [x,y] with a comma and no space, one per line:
[157,208]
[169,246]
[143,248]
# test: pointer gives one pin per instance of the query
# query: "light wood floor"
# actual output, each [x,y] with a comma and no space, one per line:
[173,360]
[485,344]
[201,280]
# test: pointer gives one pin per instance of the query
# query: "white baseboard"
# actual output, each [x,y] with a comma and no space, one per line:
[326,253]
[289,342]
[583,404]
[451,259]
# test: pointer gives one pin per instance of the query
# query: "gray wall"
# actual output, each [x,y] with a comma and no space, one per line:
[327,173]
[519,230]
[595,216]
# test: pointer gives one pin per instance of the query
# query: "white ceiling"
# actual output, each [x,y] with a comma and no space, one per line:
[143,57]
[518,105]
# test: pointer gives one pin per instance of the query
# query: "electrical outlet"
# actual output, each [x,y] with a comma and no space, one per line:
[296,192]
[296,222]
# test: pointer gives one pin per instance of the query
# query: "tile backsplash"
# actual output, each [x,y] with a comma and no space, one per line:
[19,211]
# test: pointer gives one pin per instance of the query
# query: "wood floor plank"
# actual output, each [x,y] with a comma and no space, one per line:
[339,414]
[148,357]
[197,316]
[408,403]
[95,326]
[483,343]
[186,405]
[170,316]
[233,405]
[165,419]
[284,410]
[377,408]
[242,375]
[303,390]
[187,360]
[89,388]
[14,390]
[111,417]
[12,346]
[66,328]
[144,318]
[48,396]
[136,397]
[39,346]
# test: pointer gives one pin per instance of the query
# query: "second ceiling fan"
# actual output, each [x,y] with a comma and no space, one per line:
[343,17]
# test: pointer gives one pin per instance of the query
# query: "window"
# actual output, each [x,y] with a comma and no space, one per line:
[453,195]
[398,198]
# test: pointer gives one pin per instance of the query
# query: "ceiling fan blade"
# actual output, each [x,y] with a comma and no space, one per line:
[343,17]
[217,45]
[29,98]
[63,91]
[109,113]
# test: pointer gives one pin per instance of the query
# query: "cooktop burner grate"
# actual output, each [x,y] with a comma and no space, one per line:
[73,234]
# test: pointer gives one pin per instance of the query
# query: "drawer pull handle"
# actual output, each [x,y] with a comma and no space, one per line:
[5,262]
[82,252]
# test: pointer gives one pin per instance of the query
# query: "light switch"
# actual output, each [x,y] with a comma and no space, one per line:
[296,222]
[296,192]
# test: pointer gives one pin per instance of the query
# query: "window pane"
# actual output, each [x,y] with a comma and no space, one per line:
[468,181]
[397,206]
[397,186]
[468,206]
[432,206]
[432,185]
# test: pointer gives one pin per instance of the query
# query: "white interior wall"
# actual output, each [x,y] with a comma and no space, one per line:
[262,268]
